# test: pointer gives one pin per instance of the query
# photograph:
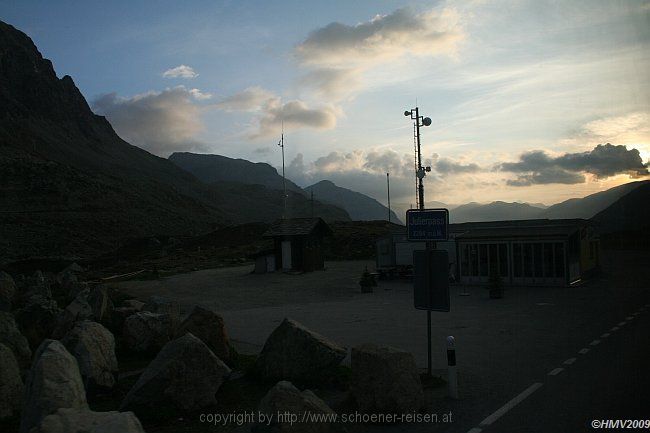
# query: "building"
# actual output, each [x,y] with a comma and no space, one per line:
[298,243]
[525,252]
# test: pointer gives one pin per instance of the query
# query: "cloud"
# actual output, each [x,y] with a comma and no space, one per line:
[383,38]
[338,54]
[250,99]
[182,71]
[160,122]
[295,115]
[199,95]
[605,160]
[446,166]
[262,150]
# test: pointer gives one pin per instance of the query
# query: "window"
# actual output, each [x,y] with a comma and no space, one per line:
[538,260]
[516,260]
[528,260]
[503,260]
[559,259]
[473,250]
[464,260]
[483,258]
[548,260]
[494,259]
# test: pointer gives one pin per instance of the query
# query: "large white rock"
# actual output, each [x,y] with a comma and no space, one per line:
[185,375]
[11,385]
[285,398]
[77,310]
[11,337]
[146,331]
[385,380]
[86,421]
[293,352]
[209,327]
[94,348]
[101,304]
[53,382]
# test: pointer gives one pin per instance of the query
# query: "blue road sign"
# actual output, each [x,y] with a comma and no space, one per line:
[427,224]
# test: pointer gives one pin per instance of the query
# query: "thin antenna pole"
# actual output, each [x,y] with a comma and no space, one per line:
[388,191]
[284,180]
[312,203]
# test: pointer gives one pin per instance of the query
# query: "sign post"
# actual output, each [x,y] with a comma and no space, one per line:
[431,266]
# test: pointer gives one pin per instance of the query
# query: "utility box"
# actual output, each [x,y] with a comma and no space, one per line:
[431,280]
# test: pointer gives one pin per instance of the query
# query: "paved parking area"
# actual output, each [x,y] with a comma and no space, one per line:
[503,345]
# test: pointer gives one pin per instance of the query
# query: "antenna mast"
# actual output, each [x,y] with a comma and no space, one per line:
[284,180]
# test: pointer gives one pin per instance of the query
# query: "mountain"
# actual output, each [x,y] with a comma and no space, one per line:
[69,185]
[495,211]
[359,206]
[590,205]
[631,212]
[218,168]
[254,189]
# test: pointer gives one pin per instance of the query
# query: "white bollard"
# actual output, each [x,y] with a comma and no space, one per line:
[452,376]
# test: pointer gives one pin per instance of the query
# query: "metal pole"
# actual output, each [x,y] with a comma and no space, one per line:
[284,181]
[388,190]
[417,135]
[452,374]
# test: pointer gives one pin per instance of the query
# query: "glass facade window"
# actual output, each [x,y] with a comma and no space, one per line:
[528,260]
[548,260]
[503,260]
[473,260]
[559,259]
[538,260]
[464,260]
[494,259]
[517,260]
[483,260]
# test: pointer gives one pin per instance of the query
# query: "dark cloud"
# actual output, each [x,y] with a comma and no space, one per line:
[160,122]
[446,166]
[537,167]
[262,150]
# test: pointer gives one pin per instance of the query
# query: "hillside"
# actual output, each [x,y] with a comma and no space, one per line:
[590,205]
[359,206]
[218,168]
[71,186]
[629,213]
[495,211]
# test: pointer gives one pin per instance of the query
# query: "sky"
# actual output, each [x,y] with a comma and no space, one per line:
[532,101]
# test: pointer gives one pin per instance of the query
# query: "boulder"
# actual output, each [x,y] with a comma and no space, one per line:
[161,305]
[53,382]
[94,348]
[77,310]
[185,375]
[36,284]
[76,289]
[209,328]
[286,398]
[385,380]
[11,337]
[11,385]
[119,316]
[146,331]
[293,352]
[37,319]
[134,304]
[7,291]
[87,421]
[101,304]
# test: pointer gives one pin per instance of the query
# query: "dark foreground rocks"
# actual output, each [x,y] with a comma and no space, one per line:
[209,327]
[93,346]
[11,385]
[385,380]
[146,331]
[53,382]
[285,398]
[11,337]
[184,376]
[293,352]
[87,421]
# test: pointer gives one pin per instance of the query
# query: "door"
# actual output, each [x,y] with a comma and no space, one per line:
[286,255]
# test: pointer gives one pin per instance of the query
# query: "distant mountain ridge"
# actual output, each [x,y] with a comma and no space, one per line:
[212,168]
[217,168]
[358,205]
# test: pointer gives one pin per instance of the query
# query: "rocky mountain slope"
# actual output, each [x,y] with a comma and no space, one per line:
[359,206]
